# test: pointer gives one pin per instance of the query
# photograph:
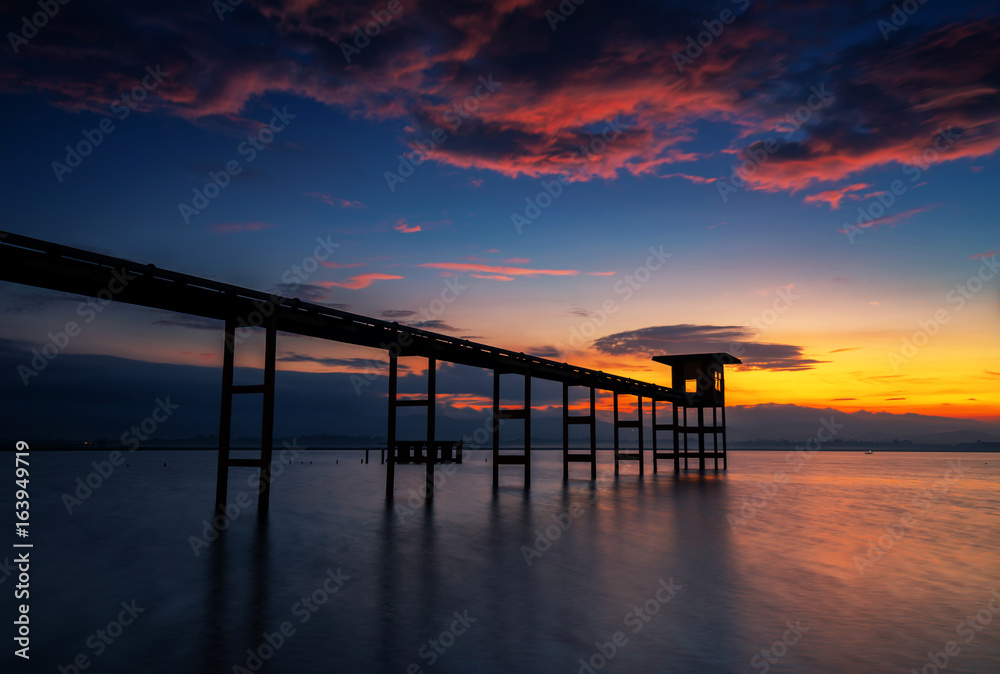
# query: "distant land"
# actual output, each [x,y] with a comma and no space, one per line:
[324,442]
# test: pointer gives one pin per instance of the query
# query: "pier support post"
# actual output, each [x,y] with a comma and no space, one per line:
[390,472]
[517,413]
[565,429]
[615,395]
[589,419]
[229,389]
[496,428]
[701,438]
[431,449]
[225,415]
[267,423]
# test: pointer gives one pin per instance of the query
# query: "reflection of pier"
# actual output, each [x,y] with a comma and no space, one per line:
[697,379]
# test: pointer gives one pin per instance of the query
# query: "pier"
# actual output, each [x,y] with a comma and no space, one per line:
[697,384]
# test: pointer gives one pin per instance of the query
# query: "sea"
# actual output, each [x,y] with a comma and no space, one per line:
[785,562]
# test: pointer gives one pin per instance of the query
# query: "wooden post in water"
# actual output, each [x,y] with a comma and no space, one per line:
[390,472]
[267,422]
[431,449]
[225,415]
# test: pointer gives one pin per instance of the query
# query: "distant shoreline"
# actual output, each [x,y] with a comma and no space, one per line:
[693,452]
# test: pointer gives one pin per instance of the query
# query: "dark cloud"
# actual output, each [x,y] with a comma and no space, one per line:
[398,313]
[687,338]
[193,322]
[611,60]
[308,292]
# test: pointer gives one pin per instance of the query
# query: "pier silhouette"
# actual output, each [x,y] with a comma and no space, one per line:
[697,385]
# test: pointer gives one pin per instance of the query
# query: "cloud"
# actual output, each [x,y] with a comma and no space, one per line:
[337,202]
[308,292]
[340,265]
[891,220]
[193,322]
[231,227]
[983,256]
[435,325]
[833,197]
[544,351]
[555,91]
[360,281]
[401,226]
[502,271]
[493,277]
[398,313]
[687,338]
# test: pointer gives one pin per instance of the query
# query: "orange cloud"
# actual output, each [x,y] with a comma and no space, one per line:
[498,270]
[493,277]
[359,281]
[401,226]
[833,197]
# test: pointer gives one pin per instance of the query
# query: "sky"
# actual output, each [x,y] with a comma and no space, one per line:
[808,185]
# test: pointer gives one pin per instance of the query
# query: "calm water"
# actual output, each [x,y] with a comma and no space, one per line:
[735,583]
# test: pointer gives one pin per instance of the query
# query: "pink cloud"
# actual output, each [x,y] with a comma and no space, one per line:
[833,197]
[359,281]
[401,226]
[498,270]
[983,256]
[493,277]
[518,260]
[892,220]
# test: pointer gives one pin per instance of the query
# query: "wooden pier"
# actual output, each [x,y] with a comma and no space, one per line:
[697,379]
